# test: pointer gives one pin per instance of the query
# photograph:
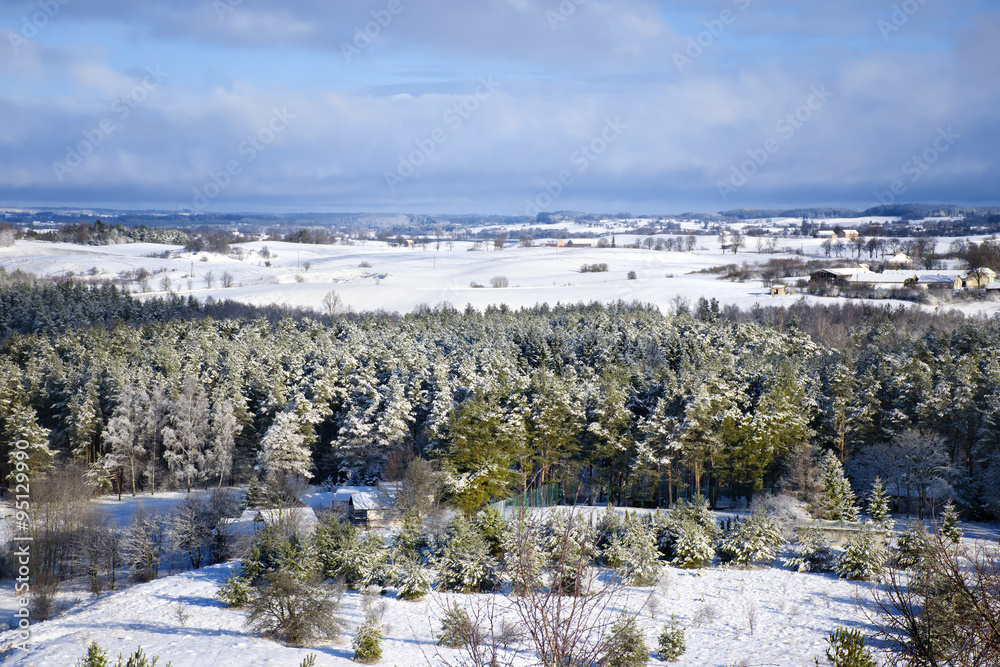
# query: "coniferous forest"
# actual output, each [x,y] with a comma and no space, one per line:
[591,403]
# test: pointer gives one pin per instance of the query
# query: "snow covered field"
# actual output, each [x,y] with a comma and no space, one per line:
[794,614]
[371,275]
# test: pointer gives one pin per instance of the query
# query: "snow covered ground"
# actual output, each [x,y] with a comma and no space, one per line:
[372,275]
[794,613]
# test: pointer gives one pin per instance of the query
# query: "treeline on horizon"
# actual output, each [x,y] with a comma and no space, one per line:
[616,402]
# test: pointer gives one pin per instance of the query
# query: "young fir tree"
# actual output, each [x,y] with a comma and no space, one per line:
[95,657]
[671,645]
[412,578]
[634,554]
[813,553]
[625,645]
[755,540]
[863,556]
[878,503]
[464,562]
[693,548]
[847,649]
[367,642]
[911,546]
[949,523]
[26,442]
[837,497]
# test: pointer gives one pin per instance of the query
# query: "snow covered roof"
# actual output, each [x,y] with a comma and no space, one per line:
[843,273]
[370,500]
[885,278]
[304,518]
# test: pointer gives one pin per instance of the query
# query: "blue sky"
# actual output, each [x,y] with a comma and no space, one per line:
[498,106]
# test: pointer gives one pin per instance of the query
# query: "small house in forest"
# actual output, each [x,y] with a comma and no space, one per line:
[368,506]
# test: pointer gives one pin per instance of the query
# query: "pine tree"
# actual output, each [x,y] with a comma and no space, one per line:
[671,645]
[755,540]
[625,645]
[847,649]
[95,657]
[813,553]
[412,578]
[863,556]
[634,554]
[878,503]
[694,547]
[464,563]
[911,546]
[949,523]
[283,449]
[26,443]
[367,643]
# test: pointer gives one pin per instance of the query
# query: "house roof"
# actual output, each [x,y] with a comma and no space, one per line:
[941,278]
[884,278]
[841,272]
[370,500]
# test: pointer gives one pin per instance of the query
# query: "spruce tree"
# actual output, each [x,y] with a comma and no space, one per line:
[878,503]
[625,645]
[367,643]
[837,497]
[949,523]
[757,539]
[813,553]
[693,548]
[634,554]
[863,556]
[671,645]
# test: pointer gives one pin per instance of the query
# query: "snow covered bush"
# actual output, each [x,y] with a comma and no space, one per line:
[367,643]
[634,554]
[693,547]
[412,579]
[670,525]
[911,546]
[236,592]
[625,645]
[863,556]
[464,563]
[143,545]
[494,530]
[813,553]
[847,649]
[346,554]
[671,645]
[754,540]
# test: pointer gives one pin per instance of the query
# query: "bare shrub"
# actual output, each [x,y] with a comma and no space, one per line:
[945,612]
[498,282]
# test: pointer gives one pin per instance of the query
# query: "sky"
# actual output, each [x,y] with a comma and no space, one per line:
[498,106]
